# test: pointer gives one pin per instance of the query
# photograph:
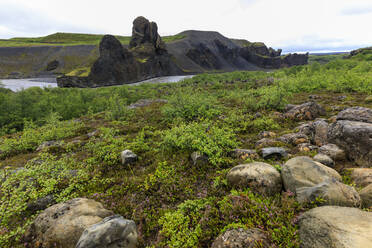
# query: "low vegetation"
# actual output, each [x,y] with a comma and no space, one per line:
[174,202]
[69,39]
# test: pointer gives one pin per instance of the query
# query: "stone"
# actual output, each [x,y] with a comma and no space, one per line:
[265,142]
[306,128]
[355,138]
[52,65]
[40,204]
[61,225]
[306,147]
[338,227]
[128,157]
[93,133]
[294,138]
[333,151]
[320,128]
[111,232]
[331,192]
[146,102]
[273,152]
[356,114]
[260,177]
[245,154]
[362,177]
[366,196]
[47,144]
[239,238]
[306,111]
[198,159]
[267,134]
[304,172]
[324,159]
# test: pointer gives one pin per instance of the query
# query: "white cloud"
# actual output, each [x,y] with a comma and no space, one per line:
[285,23]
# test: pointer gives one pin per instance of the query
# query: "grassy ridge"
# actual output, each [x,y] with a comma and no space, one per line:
[70,39]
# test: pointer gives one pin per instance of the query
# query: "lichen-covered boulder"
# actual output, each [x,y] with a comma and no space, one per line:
[362,177]
[260,177]
[355,138]
[366,196]
[324,159]
[360,114]
[128,157]
[61,225]
[333,151]
[306,111]
[111,232]
[304,172]
[337,227]
[331,192]
[239,238]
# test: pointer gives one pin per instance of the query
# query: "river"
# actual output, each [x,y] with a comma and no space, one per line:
[19,84]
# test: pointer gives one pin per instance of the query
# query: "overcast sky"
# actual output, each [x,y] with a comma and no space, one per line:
[294,25]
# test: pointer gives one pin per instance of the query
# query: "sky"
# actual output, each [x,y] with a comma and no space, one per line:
[293,25]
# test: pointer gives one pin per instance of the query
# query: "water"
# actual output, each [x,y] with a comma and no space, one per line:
[24,83]
[19,84]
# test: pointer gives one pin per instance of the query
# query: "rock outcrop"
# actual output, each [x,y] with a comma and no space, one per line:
[238,238]
[337,227]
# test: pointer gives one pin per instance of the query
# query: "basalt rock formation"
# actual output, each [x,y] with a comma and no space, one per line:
[147,56]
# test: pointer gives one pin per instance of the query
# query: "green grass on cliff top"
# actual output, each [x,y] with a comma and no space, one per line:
[69,39]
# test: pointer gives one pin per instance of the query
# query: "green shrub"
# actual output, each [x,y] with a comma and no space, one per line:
[205,137]
[191,106]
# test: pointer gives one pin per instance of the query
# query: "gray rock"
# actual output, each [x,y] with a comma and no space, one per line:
[260,177]
[93,133]
[362,177]
[146,102]
[366,196]
[324,159]
[355,138]
[128,157]
[111,232]
[320,128]
[41,203]
[306,111]
[239,238]
[304,172]
[271,152]
[294,138]
[336,227]
[331,192]
[306,128]
[61,225]
[333,151]
[47,144]
[245,153]
[265,142]
[356,114]
[198,159]
[306,147]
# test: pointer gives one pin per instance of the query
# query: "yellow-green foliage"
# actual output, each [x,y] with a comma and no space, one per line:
[81,72]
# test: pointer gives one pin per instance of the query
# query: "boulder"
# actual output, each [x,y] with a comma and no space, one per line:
[320,128]
[267,134]
[324,159]
[306,147]
[128,157]
[304,172]
[306,111]
[362,177]
[337,227]
[366,196]
[239,238]
[47,144]
[245,153]
[333,151]
[61,225]
[356,114]
[265,142]
[146,102]
[355,138]
[111,232]
[368,99]
[260,177]
[294,138]
[52,65]
[198,159]
[40,204]
[273,152]
[331,192]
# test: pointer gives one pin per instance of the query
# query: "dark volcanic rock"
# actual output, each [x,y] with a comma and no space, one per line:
[146,32]
[294,59]
[52,65]
[204,57]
